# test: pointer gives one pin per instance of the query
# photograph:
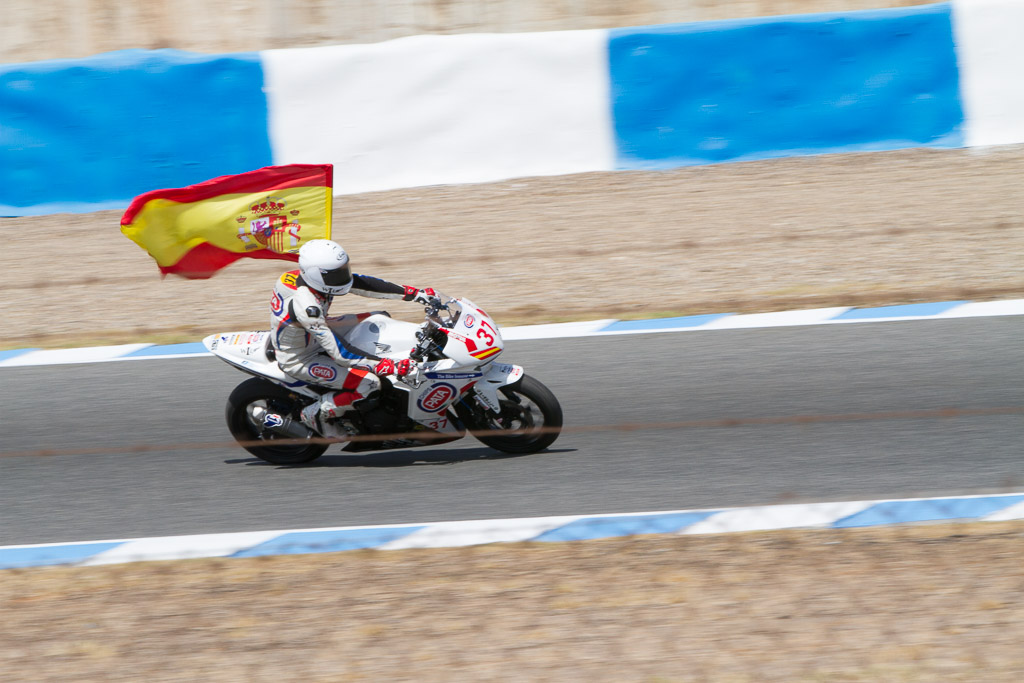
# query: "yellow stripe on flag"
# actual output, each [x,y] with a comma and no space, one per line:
[195,231]
[281,220]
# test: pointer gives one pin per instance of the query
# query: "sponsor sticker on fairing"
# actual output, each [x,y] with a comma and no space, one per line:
[438,397]
[469,320]
[272,420]
[323,372]
[453,375]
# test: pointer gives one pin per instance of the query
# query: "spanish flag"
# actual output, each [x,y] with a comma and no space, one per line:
[195,231]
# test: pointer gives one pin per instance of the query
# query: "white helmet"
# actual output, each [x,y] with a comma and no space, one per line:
[324,266]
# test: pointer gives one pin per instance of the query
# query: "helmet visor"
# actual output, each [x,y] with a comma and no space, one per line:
[337,277]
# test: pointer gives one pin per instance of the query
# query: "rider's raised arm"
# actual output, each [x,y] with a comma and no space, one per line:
[375,288]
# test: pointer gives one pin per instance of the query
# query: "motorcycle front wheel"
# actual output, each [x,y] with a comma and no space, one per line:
[527,408]
[274,398]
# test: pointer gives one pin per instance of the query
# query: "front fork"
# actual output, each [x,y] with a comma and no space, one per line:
[494,416]
[496,376]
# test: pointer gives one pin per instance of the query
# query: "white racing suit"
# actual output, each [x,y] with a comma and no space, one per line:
[309,346]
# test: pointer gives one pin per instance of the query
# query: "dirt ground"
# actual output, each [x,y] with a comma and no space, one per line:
[934,603]
[865,229]
[906,604]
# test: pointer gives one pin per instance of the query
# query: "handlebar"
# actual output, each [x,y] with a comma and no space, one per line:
[432,323]
[419,352]
[434,306]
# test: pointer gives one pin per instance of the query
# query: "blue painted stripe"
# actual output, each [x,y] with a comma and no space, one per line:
[936,509]
[663,323]
[748,89]
[607,527]
[303,542]
[13,353]
[168,349]
[16,558]
[907,310]
[98,131]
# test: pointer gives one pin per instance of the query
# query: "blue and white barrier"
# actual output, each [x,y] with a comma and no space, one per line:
[842,515]
[81,135]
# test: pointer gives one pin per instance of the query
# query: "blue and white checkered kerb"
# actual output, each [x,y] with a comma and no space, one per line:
[944,310]
[540,529]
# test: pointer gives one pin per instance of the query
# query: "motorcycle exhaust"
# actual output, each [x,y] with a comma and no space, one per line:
[280,423]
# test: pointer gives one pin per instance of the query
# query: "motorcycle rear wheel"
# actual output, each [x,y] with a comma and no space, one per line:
[277,399]
[527,406]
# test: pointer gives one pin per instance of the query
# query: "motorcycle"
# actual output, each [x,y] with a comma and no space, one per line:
[454,385]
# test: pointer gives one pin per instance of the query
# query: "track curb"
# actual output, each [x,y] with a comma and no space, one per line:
[943,310]
[835,515]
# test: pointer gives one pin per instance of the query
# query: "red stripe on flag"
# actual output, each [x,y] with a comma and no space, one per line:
[268,179]
[203,261]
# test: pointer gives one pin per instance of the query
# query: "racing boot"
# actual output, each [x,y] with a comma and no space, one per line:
[323,415]
[317,416]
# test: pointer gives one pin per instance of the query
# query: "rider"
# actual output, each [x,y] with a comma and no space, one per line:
[307,343]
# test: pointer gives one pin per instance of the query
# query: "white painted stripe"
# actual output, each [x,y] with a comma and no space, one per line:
[181,547]
[989,37]
[769,517]
[653,330]
[456,534]
[432,109]
[891,319]
[166,356]
[554,330]
[985,308]
[92,354]
[1006,514]
[813,316]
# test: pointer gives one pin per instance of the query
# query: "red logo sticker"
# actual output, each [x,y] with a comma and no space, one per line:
[470,320]
[437,397]
[324,372]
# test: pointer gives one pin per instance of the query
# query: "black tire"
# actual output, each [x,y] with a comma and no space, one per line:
[526,405]
[278,399]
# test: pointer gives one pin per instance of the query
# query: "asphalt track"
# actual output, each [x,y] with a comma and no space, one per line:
[841,393]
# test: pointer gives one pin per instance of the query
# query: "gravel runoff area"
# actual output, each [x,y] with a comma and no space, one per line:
[933,603]
[855,229]
[906,604]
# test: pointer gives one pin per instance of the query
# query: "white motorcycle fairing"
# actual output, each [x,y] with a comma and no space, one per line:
[432,390]
[454,386]
[247,351]
[439,383]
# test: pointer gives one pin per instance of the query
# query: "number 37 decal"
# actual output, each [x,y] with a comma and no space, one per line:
[488,337]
